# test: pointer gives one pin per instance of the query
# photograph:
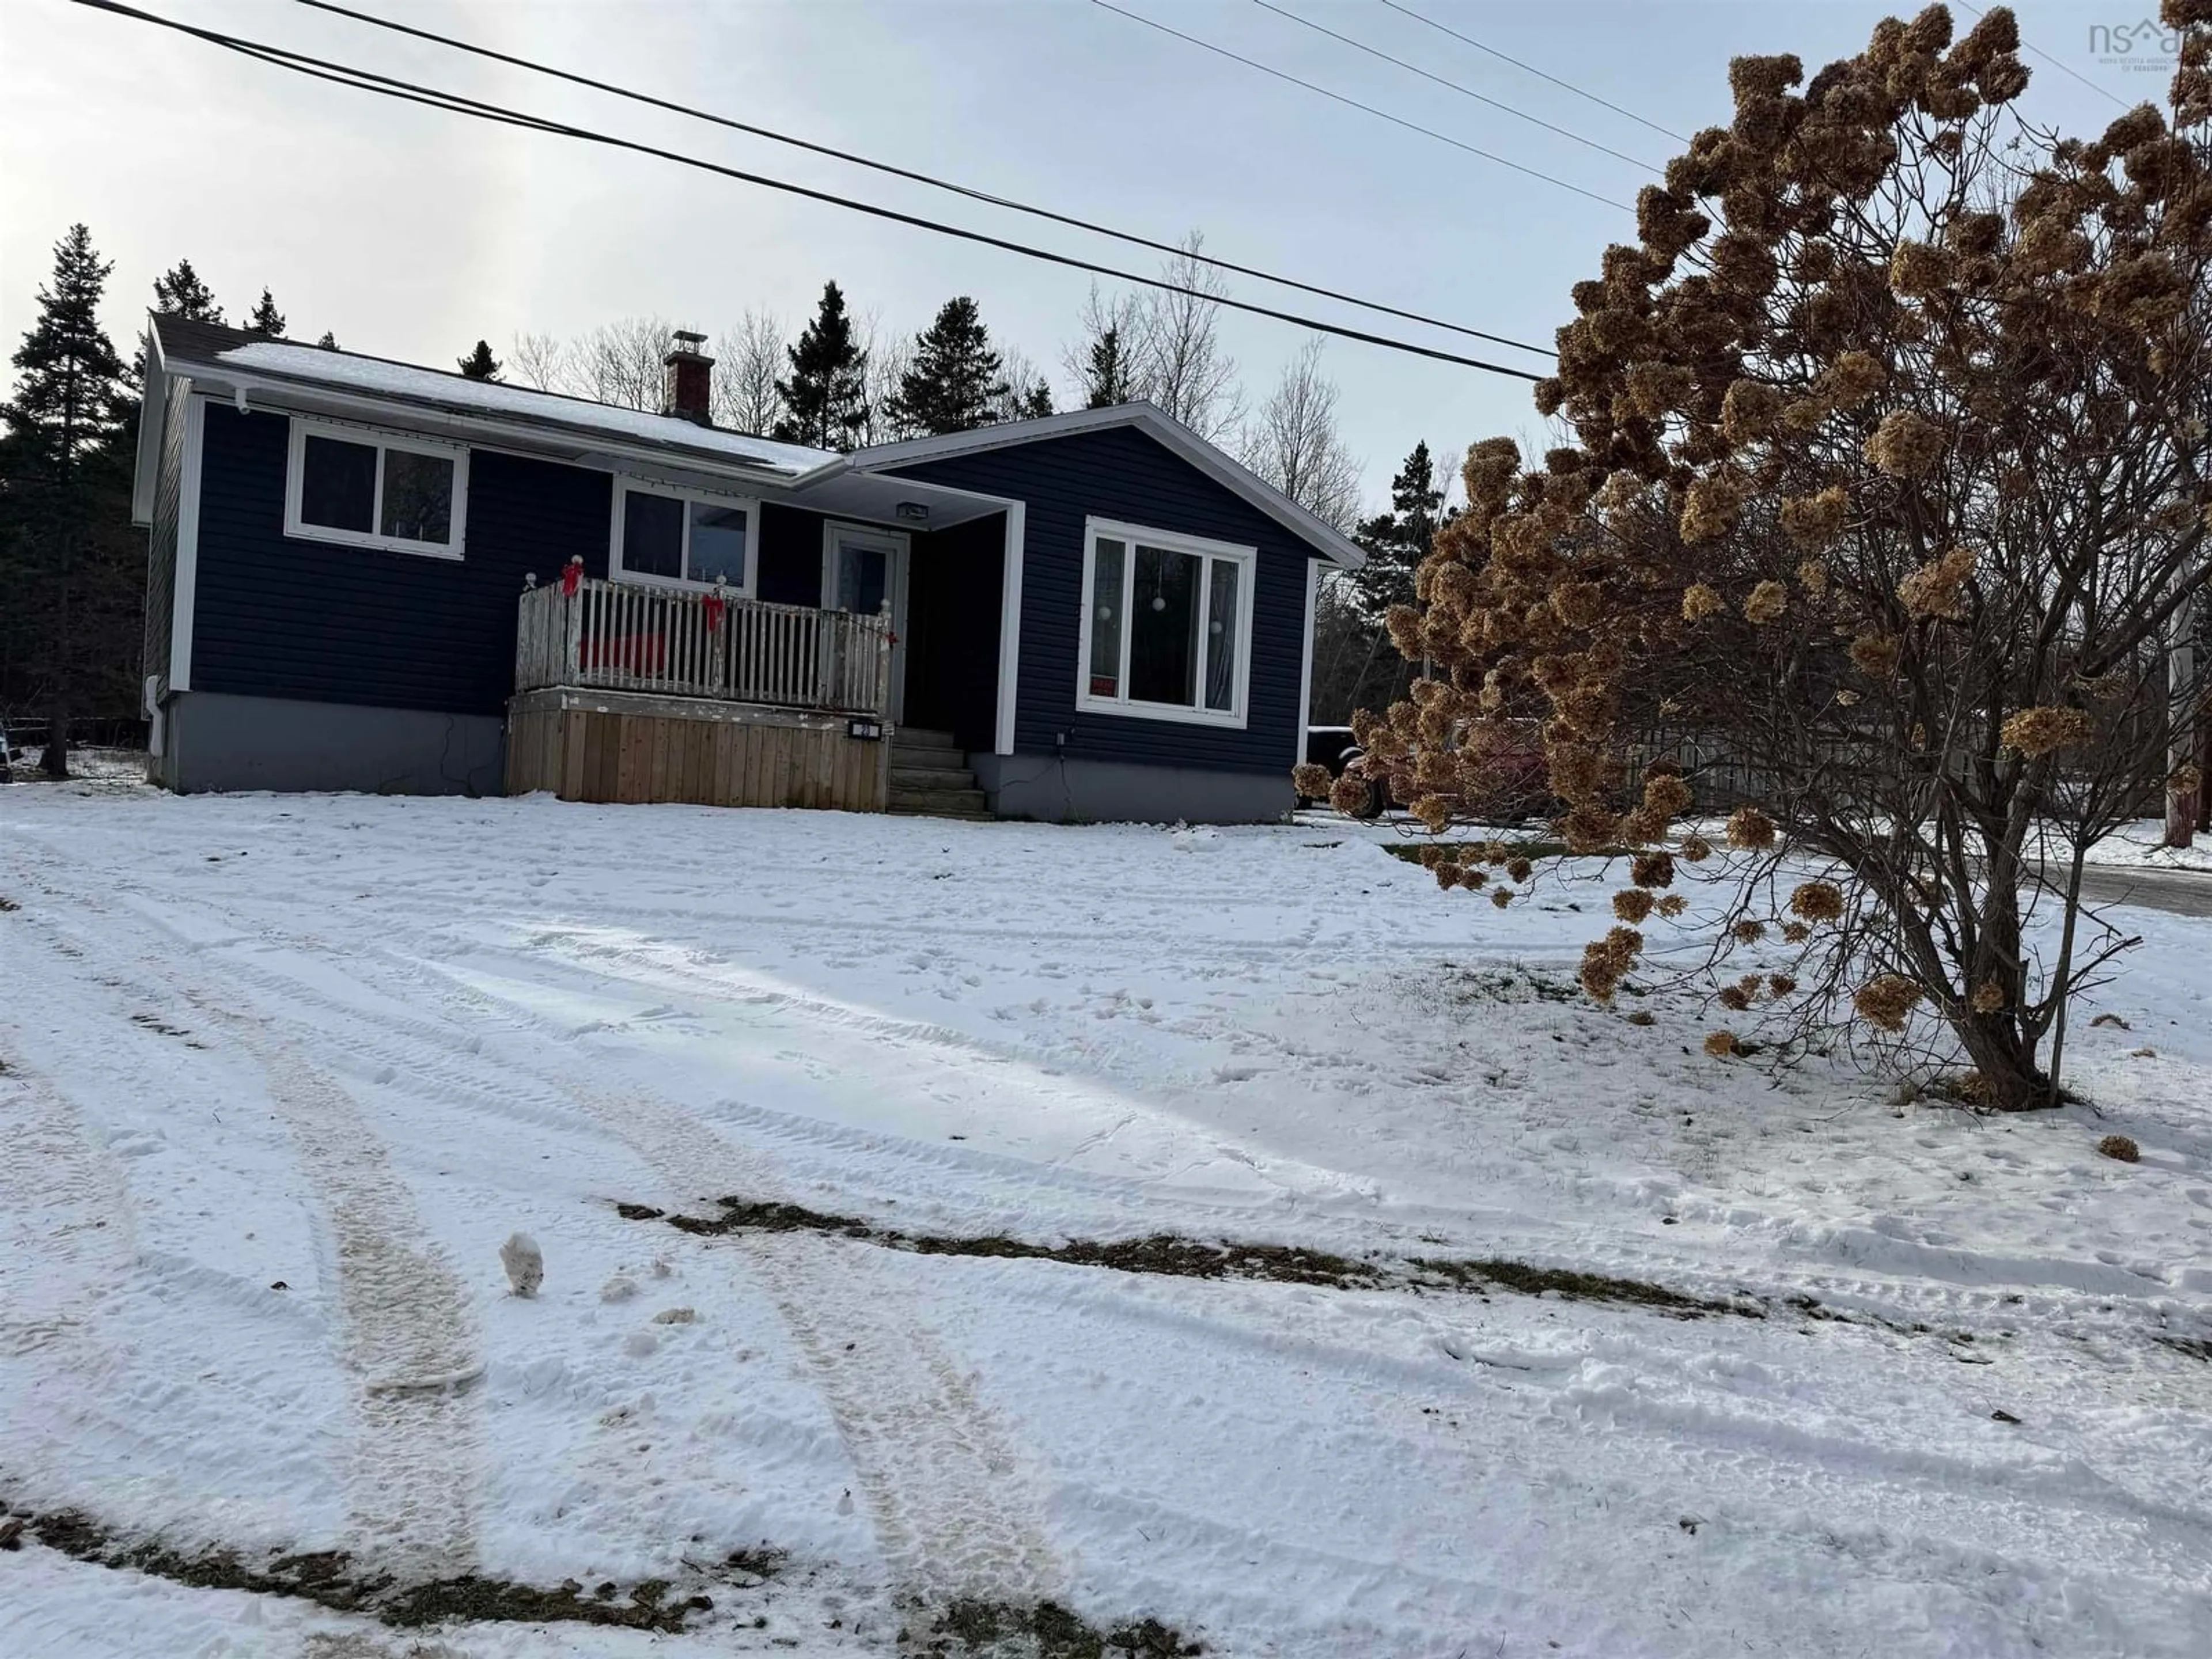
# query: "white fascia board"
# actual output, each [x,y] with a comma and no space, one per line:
[1223,468]
[153,415]
[185,586]
[395,414]
[1306,654]
[1009,628]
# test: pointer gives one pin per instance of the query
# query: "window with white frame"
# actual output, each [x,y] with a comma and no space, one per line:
[363,488]
[1167,625]
[675,537]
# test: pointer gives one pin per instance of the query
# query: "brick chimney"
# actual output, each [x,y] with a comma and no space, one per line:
[690,379]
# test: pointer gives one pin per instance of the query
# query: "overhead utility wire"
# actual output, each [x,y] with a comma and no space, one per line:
[1506,57]
[895,171]
[1338,97]
[1464,92]
[410,92]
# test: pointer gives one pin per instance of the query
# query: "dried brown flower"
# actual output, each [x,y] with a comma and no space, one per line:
[1672,905]
[1749,931]
[1311,781]
[1767,602]
[1501,896]
[1733,997]
[1695,849]
[1780,985]
[1937,588]
[1907,445]
[1666,795]
[1652,870]
[1876,655]
[1631,904]
[1988,997]
[1796,932]
[1817,900]
[2037,732]
[2120,1147]
[1519,869]
[1750,411]
[1886,1002]
[1721,1044]
[1700,601]
[1814,522]
[1751,830]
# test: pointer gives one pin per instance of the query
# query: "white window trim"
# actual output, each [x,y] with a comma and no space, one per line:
[344,432]
[625,485]
[1129,535]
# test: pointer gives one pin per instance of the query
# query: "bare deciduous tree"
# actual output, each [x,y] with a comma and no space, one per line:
[622,363]
[1182,365]
[542,361]
[1293,442]
[890,358]
[748,359]
[1888,492]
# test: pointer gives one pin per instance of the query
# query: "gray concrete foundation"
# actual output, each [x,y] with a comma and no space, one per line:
[1055,791]
[214,741]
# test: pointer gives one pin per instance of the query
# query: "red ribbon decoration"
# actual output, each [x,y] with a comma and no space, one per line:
[716,606]
[572,576]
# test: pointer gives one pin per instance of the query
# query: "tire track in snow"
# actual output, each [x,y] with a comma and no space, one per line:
[411,1470]
[957,1510]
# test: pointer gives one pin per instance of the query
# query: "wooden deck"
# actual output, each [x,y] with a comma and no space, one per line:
[593,745]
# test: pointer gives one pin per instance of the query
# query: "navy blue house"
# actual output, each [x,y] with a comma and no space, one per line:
[357,569]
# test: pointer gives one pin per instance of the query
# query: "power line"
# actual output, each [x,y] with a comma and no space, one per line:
[1353,103]
[1565,86]
[410,92]
[909,173]
[1463,91]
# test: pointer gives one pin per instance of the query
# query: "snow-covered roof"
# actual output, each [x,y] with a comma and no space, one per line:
[184,346]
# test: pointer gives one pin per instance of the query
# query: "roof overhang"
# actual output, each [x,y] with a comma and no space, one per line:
[1225,470]
[579,445]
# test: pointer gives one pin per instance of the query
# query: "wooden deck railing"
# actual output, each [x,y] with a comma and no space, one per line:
[618,636]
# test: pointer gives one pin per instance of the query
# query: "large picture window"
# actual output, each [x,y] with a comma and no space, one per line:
[368,489]
[676,539]
[1167,625]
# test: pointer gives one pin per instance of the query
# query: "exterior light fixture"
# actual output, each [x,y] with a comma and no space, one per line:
[917,512]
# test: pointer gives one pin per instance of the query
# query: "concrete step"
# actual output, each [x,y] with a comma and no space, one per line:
[940,803]
[906,776]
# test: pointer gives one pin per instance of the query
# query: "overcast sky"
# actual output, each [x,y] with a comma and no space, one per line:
[409,233]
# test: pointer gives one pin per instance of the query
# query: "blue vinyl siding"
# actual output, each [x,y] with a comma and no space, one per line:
[277,617]
[1122,473]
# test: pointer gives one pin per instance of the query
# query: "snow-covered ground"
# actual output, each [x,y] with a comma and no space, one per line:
[281,1075]
[2143,844]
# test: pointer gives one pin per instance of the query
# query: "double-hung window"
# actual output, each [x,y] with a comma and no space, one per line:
[1167,625]
[367,489]
[670,538]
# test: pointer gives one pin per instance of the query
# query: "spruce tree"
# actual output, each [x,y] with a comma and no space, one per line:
[266,318]
[480,364]
[66,562]
[1397,541]
[179,292]
[1108,376]
[825,400]
[1034,403]
[328,342]
[953,384]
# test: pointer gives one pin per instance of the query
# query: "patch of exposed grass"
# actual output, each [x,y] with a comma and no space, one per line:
[1175,1256]
[1047,1631]
[329,1578]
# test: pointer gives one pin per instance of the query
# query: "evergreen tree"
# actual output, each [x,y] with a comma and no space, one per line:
[1108,377]
[480,364]
[825,400]
[1397,541]
[328,342]
[953,384]
[181,292]
[1034,403]
[266,318]
[68,563]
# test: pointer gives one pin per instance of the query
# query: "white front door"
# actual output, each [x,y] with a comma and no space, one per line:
[864,570]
